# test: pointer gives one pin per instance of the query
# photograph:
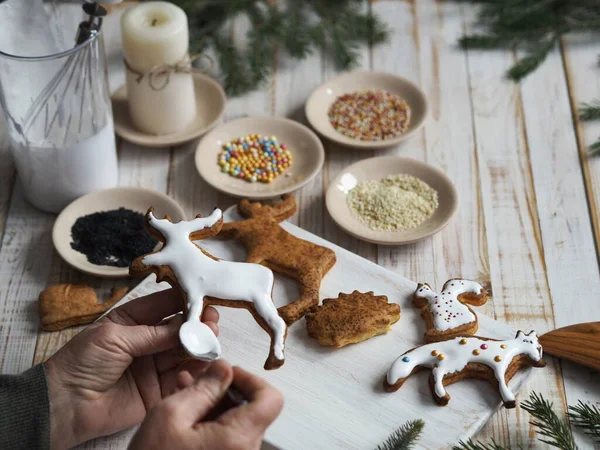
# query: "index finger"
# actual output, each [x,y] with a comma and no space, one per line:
[148,310]
[264,402]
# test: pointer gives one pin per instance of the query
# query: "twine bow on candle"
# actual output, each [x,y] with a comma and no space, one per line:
[159,76]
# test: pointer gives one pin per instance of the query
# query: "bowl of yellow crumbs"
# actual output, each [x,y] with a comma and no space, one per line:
[391,200]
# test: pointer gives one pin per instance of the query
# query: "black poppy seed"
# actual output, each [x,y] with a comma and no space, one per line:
[111,238]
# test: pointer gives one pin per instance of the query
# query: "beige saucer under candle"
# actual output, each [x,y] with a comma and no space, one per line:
[155,42]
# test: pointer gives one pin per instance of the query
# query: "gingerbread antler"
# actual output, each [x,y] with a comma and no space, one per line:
[278,211]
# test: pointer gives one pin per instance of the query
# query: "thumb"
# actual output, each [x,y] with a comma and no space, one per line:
[191,404]
[142,340]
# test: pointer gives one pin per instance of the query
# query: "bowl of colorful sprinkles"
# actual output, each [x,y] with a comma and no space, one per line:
[103,232]
[259,157]
[367,110]
[391,200]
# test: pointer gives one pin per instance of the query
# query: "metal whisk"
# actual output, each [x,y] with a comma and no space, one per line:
[72,82]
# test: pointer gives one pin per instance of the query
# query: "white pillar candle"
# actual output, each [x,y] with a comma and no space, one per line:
[156,34]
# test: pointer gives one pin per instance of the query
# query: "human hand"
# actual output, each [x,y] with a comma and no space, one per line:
[108,376]
[177,421]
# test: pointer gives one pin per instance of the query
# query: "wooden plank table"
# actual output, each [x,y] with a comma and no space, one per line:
[528,224]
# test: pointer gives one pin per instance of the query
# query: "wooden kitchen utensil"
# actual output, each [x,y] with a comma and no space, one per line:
[579,343]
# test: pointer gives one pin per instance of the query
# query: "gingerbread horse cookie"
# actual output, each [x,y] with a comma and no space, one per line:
[204,279]
[446,314]
[471,357]
[270,245]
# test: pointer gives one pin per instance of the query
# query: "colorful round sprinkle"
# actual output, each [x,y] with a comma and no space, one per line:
[503,346]
[441,356]
[434,353]
[484,346]
[406,359]
[255,158]
[462,341]
[371,115]
[476,352]
[498,358]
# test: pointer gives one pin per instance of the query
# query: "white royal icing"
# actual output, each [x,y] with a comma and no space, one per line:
[457,356]
[448,312]
[200,276]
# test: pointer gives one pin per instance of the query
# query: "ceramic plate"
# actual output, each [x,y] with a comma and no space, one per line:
[210,100]
[320,100]
[376,169]
[136,199]
[306,148]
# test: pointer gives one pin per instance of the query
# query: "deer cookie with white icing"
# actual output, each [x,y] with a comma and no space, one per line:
[205,280]
[446,314]
[468,357]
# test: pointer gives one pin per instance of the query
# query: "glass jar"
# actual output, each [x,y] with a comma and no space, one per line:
[55,98]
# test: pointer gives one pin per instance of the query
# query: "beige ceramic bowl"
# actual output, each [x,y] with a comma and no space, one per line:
[136,199]
[321,99]
[376,169]
[210,103]
[307,152]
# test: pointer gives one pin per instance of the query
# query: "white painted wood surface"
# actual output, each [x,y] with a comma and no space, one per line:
[528,224]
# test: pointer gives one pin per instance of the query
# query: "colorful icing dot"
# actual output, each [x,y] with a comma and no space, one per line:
[406,359]
[440,356]
[434,353]
[498,358]
[476,352]
[503,346]
[462,341]
[483,346]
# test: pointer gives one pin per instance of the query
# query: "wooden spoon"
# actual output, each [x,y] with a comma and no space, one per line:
[579,343]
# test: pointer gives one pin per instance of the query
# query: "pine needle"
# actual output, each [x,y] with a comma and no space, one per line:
[405,437]
[548,424]
[529,63]
[471,445]
[594,149]
[584,415]
[590,111]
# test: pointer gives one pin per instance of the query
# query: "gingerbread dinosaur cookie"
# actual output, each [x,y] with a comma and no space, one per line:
[446,314]
[204,279]
[468,357]
[351,318]
[270,245]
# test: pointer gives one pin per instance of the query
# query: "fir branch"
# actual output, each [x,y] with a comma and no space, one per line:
[583,415]
[594,149]
[549,425]
[471,445]
[235,80]
[529,63]
[405,437]
[590,111]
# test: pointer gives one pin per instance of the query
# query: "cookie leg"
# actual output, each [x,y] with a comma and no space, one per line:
[309,285]
[436,382]
[196,337]
[508,398]
[266,309]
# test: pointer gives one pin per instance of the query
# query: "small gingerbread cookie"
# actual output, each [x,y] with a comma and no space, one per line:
[67,305]
[205,280]
[270,245]
[446,314]
[351,318]
[468,357]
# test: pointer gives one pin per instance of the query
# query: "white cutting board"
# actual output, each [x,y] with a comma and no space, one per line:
[334,397]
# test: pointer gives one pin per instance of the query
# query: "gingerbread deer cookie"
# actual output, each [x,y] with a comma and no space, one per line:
[470,357]
[204,279]
[270,245]
[446,314]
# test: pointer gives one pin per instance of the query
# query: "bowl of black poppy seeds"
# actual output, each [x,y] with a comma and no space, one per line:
[103,232]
